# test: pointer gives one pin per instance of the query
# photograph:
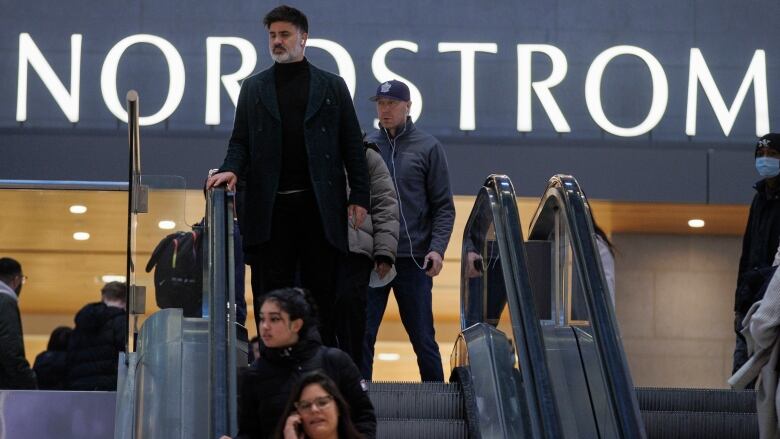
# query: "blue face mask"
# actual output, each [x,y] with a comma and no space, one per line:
[768,167]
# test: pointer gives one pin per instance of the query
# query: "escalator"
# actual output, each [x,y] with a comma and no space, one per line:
[582,338]
[540,354]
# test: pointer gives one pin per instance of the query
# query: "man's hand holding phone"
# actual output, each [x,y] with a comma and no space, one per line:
[432,264]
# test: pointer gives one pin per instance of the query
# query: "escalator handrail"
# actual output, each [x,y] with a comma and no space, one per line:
[527,335]
[219,282]
[563,193]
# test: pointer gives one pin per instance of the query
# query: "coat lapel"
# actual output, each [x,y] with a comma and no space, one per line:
[266,93]
[317,88]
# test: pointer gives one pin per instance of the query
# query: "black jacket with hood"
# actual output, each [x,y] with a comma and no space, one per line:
[93,350]
[266,386]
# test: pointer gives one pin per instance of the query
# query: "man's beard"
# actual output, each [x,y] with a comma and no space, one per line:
[288,56]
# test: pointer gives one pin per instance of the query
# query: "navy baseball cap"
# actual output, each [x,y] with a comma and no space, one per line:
[392,90]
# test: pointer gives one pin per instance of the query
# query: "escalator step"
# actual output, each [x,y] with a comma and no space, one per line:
[417,402]
[421,429]
[412,386]
[689,425]
[696,400]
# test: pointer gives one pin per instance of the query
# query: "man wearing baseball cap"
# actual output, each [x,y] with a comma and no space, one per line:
[418,167]
[761,239]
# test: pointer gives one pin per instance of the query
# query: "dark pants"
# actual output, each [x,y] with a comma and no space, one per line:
[350,308]
[412,289]
[740,349]
[297,243]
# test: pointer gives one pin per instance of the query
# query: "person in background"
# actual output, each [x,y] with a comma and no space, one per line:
[607,256]
[316,410]
[51,365]
[370,260]
[290,347]
[418,166]
[254,349]
[96,341]
[15,372]
[761,239]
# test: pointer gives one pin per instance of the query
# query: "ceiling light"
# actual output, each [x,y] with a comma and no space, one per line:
[81,236]
[113,278]
[166,224]
[696,223]
[78,209]
[388,356]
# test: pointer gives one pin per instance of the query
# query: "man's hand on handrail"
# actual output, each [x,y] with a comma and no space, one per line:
[227,178]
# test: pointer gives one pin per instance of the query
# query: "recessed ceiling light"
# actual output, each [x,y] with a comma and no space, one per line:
[113,278]
[167,224]
[78,209]
[388,356]
[696,223]
[81,236]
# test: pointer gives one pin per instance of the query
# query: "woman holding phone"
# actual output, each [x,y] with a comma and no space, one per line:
[290,348]
[316,410]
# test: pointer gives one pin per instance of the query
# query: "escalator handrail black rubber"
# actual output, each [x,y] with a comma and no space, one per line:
[563,196]
[540,403]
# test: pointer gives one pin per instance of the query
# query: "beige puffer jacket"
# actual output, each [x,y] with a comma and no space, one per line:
[379,233]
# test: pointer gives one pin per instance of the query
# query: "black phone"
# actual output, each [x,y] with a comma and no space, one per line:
[428,265]
[478,265]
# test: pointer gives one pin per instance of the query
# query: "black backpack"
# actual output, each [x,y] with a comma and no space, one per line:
[178,276]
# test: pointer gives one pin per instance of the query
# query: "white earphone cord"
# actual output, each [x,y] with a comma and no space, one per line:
[398,192]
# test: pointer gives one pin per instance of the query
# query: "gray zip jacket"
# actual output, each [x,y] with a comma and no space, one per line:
[418,165]
[378,236]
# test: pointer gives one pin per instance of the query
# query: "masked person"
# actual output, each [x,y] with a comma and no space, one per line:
[761,238]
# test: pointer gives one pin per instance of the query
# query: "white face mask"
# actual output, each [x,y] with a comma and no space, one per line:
[376,282]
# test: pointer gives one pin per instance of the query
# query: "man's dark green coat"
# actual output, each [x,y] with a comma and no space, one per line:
[333,143]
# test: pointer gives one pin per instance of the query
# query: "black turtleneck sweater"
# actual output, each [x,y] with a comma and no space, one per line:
[292,95]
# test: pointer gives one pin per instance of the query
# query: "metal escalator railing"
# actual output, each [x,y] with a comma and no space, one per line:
[219,274]
[580,300]
[494,281]
[177,379]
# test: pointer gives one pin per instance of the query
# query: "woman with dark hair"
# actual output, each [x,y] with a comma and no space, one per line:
[51,365]
[290,347]
[316,410]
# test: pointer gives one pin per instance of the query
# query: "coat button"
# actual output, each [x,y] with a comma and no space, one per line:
[327,156]
[327,101]
[323,129]
[259,129]
[330,183]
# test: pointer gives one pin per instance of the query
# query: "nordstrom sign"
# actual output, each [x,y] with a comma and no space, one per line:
[67,97]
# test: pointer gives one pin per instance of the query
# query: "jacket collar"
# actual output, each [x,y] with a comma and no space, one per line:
[5,289]
[306,348]
[762,188]
[266,93]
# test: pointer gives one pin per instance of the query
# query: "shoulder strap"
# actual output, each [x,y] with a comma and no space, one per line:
[158,251]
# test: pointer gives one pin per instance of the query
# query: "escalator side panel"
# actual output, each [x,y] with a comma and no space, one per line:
[596,383]
[570,384]
[495,384]
[171,390]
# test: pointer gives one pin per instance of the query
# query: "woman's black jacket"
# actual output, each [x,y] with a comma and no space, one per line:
[265,387]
